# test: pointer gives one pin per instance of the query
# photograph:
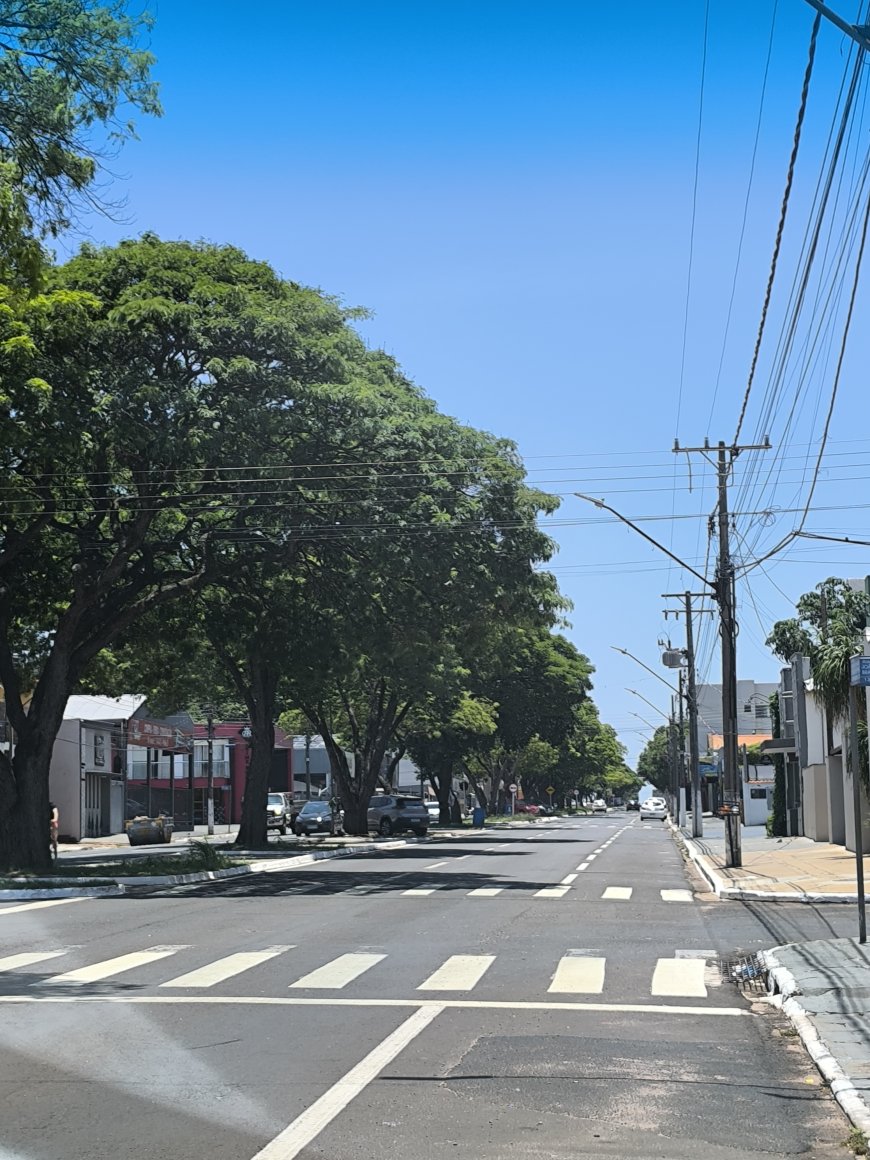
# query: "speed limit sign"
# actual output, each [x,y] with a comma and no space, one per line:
[513,787]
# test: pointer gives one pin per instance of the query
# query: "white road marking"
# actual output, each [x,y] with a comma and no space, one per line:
[337,1001]
[109,967]
[307,1126]
[568,879]
[226,968]
[434,865]
[485,892]
[458,973]
[681,978]
[591,857]
[620,892]
[676,895]
[583,866]
[339,972]
[38,905]
[420,891]
[579,974]
[552,892]
[27,959]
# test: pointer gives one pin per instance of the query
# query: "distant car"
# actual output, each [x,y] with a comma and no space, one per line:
[527,808]
[632,804]
[389,814]
[434,811]
[654,808]
[599,806]
[318,818]
[276,813]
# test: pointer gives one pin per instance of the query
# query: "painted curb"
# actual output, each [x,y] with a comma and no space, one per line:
[120,884]
[842,1088]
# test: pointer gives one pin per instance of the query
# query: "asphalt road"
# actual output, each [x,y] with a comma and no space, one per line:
[541,992]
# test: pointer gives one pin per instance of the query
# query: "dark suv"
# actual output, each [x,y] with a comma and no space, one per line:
[391,815]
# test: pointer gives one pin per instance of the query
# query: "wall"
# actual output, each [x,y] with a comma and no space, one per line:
[817,823]
[65,780]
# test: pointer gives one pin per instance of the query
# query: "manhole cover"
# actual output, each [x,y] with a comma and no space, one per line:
[748,972]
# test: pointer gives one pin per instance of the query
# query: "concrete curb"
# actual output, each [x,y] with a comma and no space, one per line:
[785,989]
[119,885]
[728,893]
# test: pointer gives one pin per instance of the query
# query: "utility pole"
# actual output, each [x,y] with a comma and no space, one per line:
[691,700]
[210,767]
[307,766]
[681,756]
[723,590]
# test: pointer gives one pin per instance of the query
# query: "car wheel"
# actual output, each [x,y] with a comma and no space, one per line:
[386,827]
[421,833]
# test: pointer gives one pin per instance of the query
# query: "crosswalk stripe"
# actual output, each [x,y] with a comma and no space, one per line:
[418,892]
[568,879]
[27,959]
[339,972]
[485,892]
[552,892]
[579,975]
[683,977]
[108,967]
[620,892]
[676,895]
[458,973]
[225,968]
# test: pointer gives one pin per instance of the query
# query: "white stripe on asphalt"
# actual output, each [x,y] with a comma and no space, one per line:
[434,865]
[226,968]
[676,895]
[485,892]
[552,892]
[568,879]
[420,891]
[307,1126]
[620,892]
[458,973]
[339,972]
[109,967]
[681,978]
[337,1001]
[27,959]
[38,905]
[584,866]
[579,975]
[591,857]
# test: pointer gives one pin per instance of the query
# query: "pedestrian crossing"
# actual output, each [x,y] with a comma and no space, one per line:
[683,974]
[558,890]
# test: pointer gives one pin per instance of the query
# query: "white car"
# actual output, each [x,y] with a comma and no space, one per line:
[654,808]
[599,806]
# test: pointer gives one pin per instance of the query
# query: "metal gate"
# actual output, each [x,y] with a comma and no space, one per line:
[92,806]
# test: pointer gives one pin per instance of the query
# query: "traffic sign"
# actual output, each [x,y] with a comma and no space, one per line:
[859,671]
[551,789]
[513,787]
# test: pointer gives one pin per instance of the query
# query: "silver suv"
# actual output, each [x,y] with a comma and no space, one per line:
[391,815]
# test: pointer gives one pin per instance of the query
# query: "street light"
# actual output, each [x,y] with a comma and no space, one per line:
[658,676]
[666,716]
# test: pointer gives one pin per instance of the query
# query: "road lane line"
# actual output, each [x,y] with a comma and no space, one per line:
[109,967]
[336,1001]
[226,968]
[434,865]
[676,895]
[591,857]
[568,879]
[307,1126]
[679,978]
[485,892]
[27,959]
[458,973]
[623,893]
[583,866]
[418,892]
[39,905]
[339,972]
[579,975]
[552,892]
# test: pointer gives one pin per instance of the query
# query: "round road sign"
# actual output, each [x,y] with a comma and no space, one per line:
[513,787]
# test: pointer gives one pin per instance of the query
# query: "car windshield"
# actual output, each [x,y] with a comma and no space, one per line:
[275,799]
[315,808]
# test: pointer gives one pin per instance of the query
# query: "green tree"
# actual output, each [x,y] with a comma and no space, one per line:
[654,763]
[71,74]
[133,390]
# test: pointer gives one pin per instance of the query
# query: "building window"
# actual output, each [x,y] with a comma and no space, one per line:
[747,706]
[99,749]
[762,709]
[758,793]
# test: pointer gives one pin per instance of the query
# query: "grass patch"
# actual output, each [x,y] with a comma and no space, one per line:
[857,1142]
[202,856]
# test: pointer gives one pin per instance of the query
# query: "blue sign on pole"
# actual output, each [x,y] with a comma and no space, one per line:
[859,673]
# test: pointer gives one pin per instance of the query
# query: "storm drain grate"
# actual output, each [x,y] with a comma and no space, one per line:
[748,972]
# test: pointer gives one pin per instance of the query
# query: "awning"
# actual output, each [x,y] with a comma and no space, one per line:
[779,745]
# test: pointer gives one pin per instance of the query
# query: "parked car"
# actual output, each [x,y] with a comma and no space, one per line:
[434,811]
[276,813]
[389,814]
[654,807]
[599,806]
[527,808]
[318,818]
[632,804]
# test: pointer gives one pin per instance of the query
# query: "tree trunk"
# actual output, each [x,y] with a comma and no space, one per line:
[24,837]
[253,832]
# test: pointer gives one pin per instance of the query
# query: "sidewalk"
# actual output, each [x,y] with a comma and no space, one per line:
[774,869]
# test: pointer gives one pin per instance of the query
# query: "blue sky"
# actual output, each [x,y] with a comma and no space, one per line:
[509,188]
